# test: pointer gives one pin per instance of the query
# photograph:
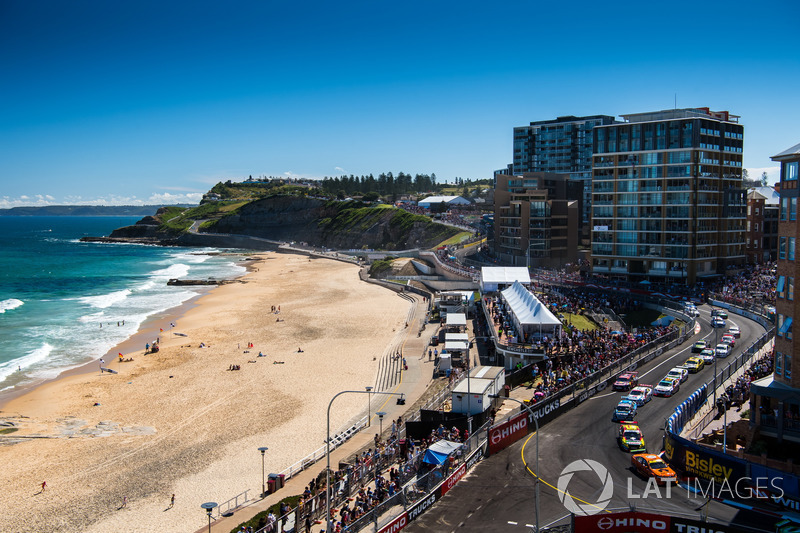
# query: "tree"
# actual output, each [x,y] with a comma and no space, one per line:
[764,179]
[341,194]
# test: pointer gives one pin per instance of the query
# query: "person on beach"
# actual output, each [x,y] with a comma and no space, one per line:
[44,485]
[124,502]
[172,502]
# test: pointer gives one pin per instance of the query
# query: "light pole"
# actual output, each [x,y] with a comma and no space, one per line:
[536,422]
[381,414]
[263,486]
[208,506]
[369,406]
[400,401]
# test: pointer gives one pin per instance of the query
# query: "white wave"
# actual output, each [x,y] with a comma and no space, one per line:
[103,301]
[173,271]
[26,361]
[8,305]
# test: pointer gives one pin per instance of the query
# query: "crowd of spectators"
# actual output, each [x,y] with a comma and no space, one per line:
[738,393]
[755,284]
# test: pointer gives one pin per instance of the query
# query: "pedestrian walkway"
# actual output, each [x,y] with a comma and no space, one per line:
[414,383]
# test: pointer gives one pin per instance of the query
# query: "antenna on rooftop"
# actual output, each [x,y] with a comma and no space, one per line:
[676,100]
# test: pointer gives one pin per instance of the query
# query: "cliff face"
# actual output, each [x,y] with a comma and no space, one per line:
[333,224]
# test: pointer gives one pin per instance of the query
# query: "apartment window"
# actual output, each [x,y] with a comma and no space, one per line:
[792,208]
[791,248]
[782,287]
[784,208]
[779,323]
[778,363]
[790,171]
[787,366]
[782,248]
[790,288]
[785,329]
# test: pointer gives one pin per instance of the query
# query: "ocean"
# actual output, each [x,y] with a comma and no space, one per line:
[63,302]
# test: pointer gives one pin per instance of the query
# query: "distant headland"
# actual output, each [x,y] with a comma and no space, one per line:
[85,210]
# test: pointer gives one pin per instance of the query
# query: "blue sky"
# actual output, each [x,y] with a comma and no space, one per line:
[149,102]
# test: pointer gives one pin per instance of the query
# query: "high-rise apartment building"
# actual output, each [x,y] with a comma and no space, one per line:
[536,219]
[563,145]
[775,399]
[667,198]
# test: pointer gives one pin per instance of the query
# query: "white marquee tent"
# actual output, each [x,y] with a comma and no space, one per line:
[530,316]
[495,279]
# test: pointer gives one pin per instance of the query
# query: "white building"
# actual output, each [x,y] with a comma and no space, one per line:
[449,200]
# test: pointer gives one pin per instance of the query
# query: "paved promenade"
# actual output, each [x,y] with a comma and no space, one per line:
[413,384]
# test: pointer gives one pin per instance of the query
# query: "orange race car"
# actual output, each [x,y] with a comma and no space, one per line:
[650,465]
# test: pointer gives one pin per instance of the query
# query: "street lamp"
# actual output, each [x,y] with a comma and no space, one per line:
[400,401]
[263,486]
[208,506]
[381,414]
[369,406]
[535,421]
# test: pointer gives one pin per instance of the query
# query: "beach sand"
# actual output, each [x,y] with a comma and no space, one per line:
[179,422]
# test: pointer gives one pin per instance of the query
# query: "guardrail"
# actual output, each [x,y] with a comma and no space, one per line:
[231,505]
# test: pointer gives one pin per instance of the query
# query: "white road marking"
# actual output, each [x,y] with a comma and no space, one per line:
[512,523]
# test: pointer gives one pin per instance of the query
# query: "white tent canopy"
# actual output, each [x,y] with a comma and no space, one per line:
[528,313]
[497,278]
[456,319]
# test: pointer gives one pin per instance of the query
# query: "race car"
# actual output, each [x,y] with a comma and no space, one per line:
[626,381]
[722,350]
[641,394]
[679,373]
[720,313]
[734,330]
[667,387]
[694,364]
[717,322]
[631,439]
[625,410]
[699,346]
[650,465]
[728,339]
[707,356]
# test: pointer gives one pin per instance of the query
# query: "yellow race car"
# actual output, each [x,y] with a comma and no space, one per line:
[631,438]
[694,364]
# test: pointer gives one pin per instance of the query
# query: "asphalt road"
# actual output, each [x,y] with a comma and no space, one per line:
[498,494]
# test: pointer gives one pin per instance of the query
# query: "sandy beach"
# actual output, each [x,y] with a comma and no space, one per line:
[179,422]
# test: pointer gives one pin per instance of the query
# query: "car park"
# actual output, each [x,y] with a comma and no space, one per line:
[649,465]
[624,411]
[667,387]
[626,381]
[631,439]
[699,346]
[734,330]
[641,394]
[722,350]
[694,365]
[679,373]
[717,322]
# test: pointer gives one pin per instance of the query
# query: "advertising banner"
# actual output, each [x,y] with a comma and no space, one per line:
[506,433]
[694,460]
[636,522]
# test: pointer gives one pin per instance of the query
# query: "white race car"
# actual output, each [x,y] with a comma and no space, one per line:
[641,394]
